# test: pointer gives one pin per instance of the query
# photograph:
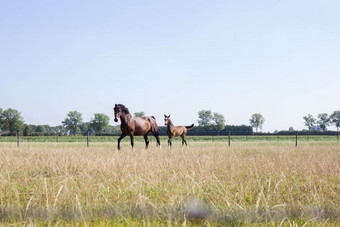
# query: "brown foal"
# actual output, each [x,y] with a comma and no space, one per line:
[174,131]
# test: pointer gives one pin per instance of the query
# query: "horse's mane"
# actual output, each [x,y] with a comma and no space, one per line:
[170,122]
[124,109]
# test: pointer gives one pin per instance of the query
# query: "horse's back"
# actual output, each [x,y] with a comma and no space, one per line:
[142,125]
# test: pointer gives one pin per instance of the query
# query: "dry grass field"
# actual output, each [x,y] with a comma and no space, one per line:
[261,183]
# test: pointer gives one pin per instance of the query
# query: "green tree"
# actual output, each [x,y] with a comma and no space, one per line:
[139,114]
[59,130]
[28,130]
[85,127]
[323,121]
[11,120]
[205,118]
[335,119]
[239,129]
[219,121]
[109,129]
[0,119]
[99,122]
[73,121]
[256,121]
[309,121]
[40,130]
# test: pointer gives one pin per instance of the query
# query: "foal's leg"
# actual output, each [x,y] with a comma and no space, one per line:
[146,141]
[184,141]
[119,139]
[170,141]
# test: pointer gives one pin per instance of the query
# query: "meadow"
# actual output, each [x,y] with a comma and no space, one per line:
[251,183]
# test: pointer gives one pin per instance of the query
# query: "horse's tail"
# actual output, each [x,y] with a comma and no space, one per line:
[189,126]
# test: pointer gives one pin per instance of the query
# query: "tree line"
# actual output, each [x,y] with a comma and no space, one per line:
[322,121]
[209,123]
[11,122]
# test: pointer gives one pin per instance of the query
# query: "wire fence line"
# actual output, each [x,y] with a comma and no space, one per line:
[228,139]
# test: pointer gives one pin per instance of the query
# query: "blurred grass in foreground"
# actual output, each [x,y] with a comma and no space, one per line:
[254,182]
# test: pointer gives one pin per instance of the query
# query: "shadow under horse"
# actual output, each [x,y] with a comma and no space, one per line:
[135,126]
[174,131]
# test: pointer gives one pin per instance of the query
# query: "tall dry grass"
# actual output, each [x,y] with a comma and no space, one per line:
[248,182]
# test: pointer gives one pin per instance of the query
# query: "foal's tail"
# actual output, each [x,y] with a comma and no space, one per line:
[189,126]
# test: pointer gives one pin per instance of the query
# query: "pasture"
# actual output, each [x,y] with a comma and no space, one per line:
[252,182]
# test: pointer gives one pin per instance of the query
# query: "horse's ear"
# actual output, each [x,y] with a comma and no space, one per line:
[164,115]
[115,105]
[169,116]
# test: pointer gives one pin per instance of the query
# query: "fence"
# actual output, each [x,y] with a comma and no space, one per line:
[229,138]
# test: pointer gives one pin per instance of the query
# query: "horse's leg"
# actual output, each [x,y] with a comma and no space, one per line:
[146,141]
[156,135]
[131,138]
[158,141]
[119,139]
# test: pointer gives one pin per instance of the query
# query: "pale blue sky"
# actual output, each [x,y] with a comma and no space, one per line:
[277,58]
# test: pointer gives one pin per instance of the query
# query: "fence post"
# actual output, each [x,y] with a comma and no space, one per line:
[296,139]
[18,138]
[229,138]
[88,137]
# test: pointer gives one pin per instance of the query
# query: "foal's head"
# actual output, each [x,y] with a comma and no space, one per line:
[166,120]
[120,109]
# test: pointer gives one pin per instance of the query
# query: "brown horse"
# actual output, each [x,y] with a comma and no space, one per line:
[135,126]
[174,131]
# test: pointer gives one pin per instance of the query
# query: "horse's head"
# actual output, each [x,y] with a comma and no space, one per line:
[120,109]
[166,120]
[117,111]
